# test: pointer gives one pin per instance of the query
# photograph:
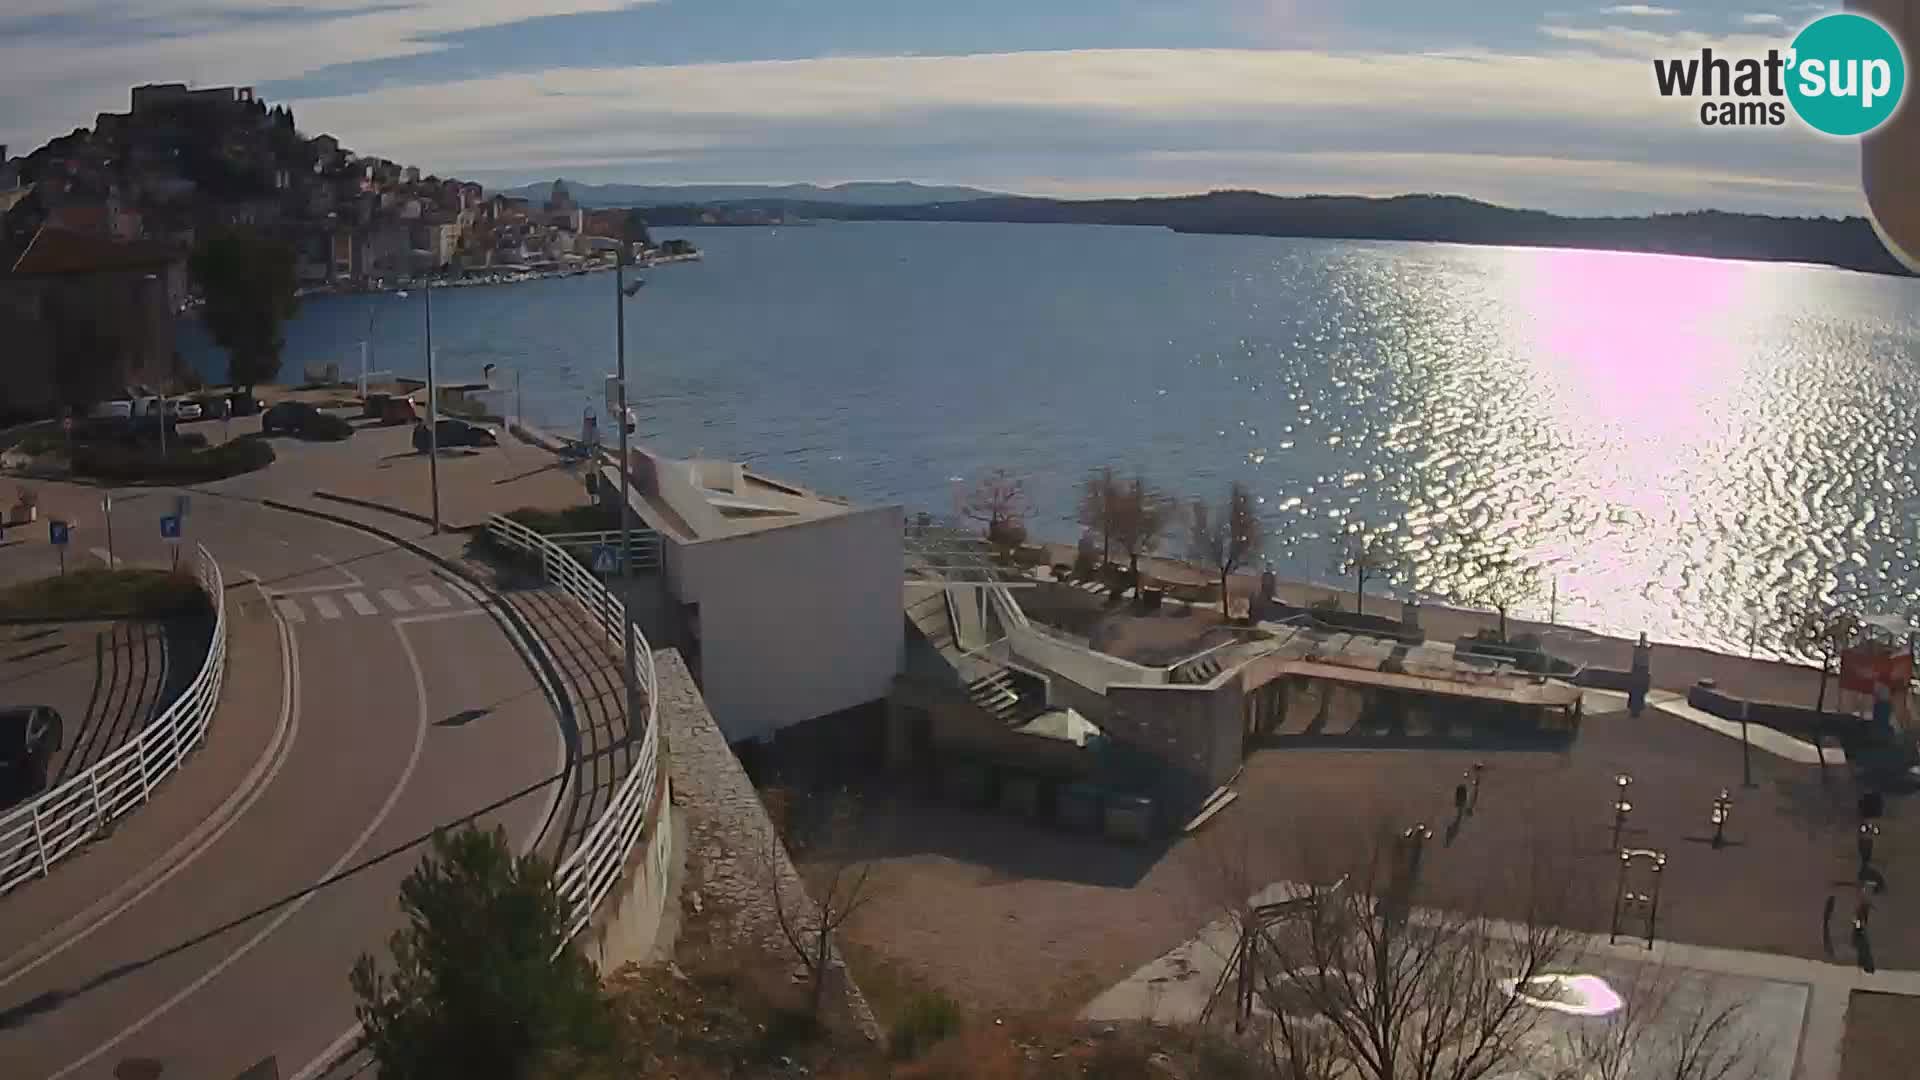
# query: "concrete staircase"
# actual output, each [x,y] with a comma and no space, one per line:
[1011,697]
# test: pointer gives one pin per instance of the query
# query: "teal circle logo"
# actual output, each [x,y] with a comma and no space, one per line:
[1847,74]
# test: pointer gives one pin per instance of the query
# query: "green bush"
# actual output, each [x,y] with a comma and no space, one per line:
[927,1019]
[41,442]
[118,464]
[325,427]
[102,593]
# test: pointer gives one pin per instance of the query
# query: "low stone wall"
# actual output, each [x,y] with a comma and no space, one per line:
[1791,719]
[726,825]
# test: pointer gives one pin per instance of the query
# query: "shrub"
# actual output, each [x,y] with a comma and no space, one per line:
[1007,534]
[929,1018]
[482,980]
[117,464]
[325,427]
[41,442]
[102,593]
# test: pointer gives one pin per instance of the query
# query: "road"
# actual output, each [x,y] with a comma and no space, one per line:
[410,709]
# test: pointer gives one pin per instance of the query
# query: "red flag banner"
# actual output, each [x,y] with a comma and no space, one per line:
[1867,666]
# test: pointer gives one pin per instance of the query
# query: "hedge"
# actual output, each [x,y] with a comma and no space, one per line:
[325,427]
[179,465]
[102,594]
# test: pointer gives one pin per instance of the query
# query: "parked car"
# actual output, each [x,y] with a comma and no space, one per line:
[455,432]
[29,737]
[287,418]
[374,406]
[108,410]
[399,410]
[184,409]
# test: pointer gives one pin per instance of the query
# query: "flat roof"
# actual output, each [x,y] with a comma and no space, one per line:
[695,499]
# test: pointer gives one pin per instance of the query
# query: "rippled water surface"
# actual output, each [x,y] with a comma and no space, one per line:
[1681,445]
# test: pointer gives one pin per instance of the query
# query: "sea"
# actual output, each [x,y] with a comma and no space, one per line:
[1685,447]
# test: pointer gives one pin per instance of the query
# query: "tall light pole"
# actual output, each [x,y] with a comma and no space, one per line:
[433,412]
[620,295]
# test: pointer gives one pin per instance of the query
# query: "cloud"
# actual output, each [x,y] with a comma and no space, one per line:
[1761,19]
[1642,10]
[1168,119]
[62,61]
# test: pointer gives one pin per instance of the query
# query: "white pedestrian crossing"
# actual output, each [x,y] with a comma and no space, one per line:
[432,596]
[328,605]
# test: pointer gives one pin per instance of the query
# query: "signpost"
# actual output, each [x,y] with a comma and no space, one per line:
[58,533]
[170,532]
[604,560]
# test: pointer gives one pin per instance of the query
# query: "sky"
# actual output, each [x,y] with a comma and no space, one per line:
[1494,99]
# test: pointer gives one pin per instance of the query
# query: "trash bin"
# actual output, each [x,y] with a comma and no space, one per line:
[1079,807]
[1129,818]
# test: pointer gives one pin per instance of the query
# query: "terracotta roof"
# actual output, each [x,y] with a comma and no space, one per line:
[63,251]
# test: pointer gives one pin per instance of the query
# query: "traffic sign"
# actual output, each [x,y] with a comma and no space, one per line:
[170,527]
[58,533]
[604,559]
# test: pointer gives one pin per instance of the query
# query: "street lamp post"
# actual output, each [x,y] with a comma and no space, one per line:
[620,296]
[1621,807]
[433,410]
[1722,810]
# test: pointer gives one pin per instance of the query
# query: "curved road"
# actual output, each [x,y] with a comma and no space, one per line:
[410,709]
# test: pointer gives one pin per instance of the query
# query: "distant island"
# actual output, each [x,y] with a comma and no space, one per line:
[644,196]
[1849,243]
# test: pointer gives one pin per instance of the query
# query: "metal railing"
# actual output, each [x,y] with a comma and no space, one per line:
[57,823]
[643,546]
[593,868]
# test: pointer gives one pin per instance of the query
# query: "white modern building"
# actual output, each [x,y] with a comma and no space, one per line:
[789,600]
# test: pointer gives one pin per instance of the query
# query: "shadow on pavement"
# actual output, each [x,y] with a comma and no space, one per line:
[51,1000]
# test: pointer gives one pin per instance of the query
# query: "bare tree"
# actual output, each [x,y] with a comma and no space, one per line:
[823,833]
[999,501]
[1360,983]
[1141,514]
[1100,494]
[1499,580]
[1224,538]
[1366,554]
[1667,1024]
[1825,631]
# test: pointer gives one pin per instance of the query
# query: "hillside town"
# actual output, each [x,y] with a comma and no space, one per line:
[97,226]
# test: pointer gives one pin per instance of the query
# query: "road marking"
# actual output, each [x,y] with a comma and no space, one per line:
[438,616]
[103,555]
[396,599]
[294,908]
[344,572]
[289,610]
[324,604]
[361,605]
[432,596]
[327,1058]
[228,814]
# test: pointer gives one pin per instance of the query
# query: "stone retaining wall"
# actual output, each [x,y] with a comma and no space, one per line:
[727,826]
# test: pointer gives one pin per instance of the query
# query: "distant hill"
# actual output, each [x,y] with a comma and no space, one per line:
[886,193]
[1844,242]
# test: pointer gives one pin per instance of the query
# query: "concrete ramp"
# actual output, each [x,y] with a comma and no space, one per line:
[969,629]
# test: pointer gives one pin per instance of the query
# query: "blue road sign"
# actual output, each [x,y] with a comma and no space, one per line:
[170,527]
[604,559]
[57,533]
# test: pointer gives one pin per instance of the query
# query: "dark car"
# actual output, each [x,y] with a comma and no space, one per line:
[29,737]
[454,432]
[287,418]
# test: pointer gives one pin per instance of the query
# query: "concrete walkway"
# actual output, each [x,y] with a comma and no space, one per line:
[1763,738]
[1175,987]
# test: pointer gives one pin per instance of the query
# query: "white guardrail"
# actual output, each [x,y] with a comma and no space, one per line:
[592,869]
[54,825]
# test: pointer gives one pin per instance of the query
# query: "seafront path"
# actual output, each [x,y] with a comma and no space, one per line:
[374,693]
